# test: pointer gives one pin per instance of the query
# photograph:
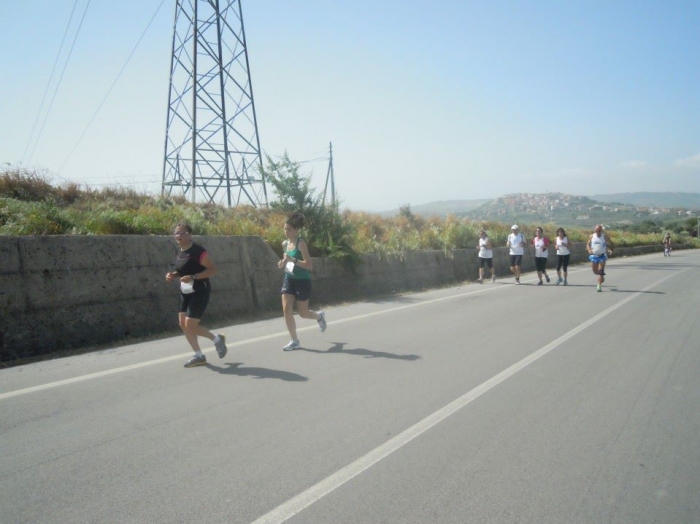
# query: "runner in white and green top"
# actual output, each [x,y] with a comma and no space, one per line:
[296,286]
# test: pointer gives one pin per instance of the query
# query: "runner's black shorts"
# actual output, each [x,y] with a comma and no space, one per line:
[563,262]
[195,303]
[540,263]
[300,288]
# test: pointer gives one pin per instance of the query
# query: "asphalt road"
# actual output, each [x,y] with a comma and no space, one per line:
[489,403]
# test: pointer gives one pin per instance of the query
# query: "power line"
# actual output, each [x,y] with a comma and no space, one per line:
[114,83]
[149,178]
[60,79]
[48,84]
[310,160]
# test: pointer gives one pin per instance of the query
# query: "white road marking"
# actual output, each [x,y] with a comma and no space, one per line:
[179,356]
[296,504]
[114,371]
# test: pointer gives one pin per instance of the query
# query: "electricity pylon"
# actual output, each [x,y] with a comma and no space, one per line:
[330,176]
[212,148]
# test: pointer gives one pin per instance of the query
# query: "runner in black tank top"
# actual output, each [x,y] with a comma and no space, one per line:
[193,268]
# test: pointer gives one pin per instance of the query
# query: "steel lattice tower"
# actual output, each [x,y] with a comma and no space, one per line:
[212,149]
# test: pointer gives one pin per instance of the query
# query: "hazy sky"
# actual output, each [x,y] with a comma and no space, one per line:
[422,100]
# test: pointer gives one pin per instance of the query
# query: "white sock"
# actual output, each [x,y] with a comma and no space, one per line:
[198,354]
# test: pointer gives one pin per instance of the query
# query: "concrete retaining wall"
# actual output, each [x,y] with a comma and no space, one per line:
[63,292]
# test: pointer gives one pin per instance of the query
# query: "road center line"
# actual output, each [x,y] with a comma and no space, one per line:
[298,503]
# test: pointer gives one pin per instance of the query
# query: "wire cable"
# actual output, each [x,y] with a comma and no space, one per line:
[114,83]
[48,84]
[60,79]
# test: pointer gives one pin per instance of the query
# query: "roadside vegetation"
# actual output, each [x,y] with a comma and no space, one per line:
[31,205]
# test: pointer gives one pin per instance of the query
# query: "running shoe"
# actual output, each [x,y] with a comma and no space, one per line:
[196,361]
[480,281]
[546,277]
[493,279]
[517,281]
[598,288]
[539,283]
[559,281]
[566,283]
[322,321]
[220,345]
[293,344]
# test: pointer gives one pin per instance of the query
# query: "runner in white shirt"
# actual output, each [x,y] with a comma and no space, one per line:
[599,246]
[516,243]
[541,244]
[485,256]
[562,256]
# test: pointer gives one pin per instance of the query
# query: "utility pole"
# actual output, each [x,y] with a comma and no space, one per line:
[212,148]
[330,176]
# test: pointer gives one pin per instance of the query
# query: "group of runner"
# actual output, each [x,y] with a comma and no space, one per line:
[599,247]
[194,267]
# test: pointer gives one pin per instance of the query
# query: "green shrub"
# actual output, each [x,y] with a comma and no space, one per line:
[32,218]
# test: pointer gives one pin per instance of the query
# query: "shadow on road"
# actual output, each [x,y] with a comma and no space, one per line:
[612,287]
[392,299]
[664,266]
[236,369]
[617,290]
[337,347]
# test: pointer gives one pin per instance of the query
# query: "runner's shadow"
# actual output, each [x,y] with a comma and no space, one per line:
[655,266]
[391,299]
[617,290]
[236,369]
[337,348]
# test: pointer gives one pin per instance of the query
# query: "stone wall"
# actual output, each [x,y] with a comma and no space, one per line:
[62,292]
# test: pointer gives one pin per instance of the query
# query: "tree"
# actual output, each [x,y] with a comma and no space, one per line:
[326,232]
[647,226]
[294,192]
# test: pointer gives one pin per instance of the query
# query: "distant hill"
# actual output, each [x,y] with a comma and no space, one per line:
[441,208]
[569,210]
[648,199]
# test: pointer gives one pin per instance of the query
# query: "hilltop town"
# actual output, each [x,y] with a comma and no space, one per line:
[561,209]
[571,210]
